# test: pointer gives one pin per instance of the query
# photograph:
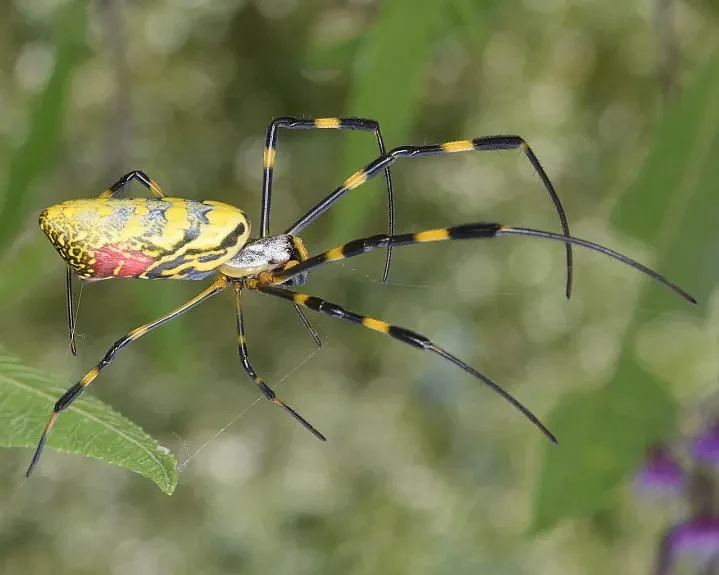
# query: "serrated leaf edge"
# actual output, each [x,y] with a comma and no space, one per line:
[89,416]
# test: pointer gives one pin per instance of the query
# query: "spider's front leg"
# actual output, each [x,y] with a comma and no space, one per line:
[292,123]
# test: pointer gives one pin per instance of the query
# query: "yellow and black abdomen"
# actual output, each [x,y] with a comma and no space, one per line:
[145,238]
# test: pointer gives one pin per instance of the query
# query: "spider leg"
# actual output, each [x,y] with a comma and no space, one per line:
[399,333]
[353,124]
[264,388]
[113,190]
[70,311]
[463,232]
[290,123]
[73,393]
[484,143]
[138,175]
[308,326]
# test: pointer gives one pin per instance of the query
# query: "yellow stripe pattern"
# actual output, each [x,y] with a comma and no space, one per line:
[155,228]
[432,236]
[155,189]
[269,157]
[375,324]
[335,254]
[327,123]
[300,245]
[300,298]
[458,146]
[89,377]
[355,180]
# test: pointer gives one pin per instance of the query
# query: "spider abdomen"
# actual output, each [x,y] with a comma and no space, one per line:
[145,238]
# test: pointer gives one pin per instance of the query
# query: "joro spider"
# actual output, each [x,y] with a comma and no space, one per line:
[177,238]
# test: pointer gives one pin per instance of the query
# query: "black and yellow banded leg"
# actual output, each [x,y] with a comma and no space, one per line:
[116,188]
[399,333]
[138,175]
[484,143]
[290,123]
[74,392]
[463,232]
[264,388]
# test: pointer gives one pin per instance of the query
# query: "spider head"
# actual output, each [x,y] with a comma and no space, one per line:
[267,255]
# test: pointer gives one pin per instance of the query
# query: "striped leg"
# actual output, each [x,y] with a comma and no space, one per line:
[463,232]
[399,333]
[116,188]
[354,124]
[141,177]
[290,123]
[484,143]
[73,393]
[264,388]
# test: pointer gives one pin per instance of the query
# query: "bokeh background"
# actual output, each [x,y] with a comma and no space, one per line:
[425,470]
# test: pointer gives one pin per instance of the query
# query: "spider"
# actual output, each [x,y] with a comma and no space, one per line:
[176,238]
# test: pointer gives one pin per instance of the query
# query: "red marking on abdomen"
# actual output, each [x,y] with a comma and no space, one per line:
[110,257]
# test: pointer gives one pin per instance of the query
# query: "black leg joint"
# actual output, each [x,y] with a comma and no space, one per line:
[332,310]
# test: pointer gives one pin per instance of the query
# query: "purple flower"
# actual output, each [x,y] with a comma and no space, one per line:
[705,446]
[660,474]
[696,539]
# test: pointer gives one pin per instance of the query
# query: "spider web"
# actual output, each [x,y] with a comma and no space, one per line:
[190,456]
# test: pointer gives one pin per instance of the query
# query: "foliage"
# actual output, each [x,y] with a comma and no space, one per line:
[89,427]
[673,206]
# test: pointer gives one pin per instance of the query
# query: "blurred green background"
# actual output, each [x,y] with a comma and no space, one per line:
[425,470]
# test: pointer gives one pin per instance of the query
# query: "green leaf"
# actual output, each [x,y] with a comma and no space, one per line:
[674,207]
[602,435]
[88,427]
[35,156]
[387,87]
